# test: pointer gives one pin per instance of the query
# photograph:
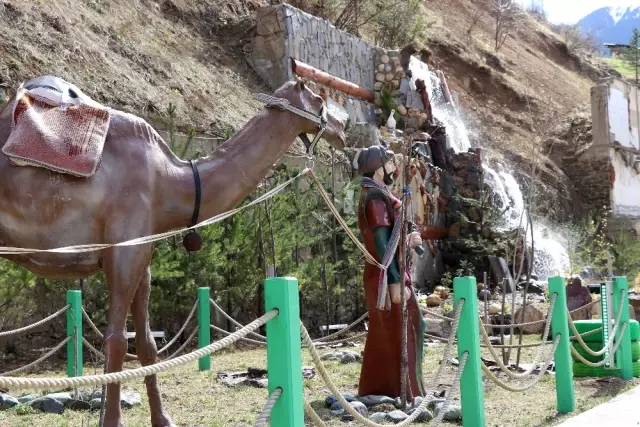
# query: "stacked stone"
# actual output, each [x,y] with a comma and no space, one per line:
[389,74]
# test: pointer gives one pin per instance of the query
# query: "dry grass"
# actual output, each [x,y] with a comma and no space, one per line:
[137,55]
[196,398]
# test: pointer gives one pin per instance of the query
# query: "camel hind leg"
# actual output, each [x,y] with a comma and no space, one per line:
[146,348]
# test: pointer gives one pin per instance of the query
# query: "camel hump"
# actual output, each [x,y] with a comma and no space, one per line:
[59,90]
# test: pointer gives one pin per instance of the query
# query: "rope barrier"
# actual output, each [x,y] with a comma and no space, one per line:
[528,372]
[586,334]
[9,250]
[347,328]
[144,371]
[268,406]
[186,343]
[93,349]
[214,327]
[34,325]
[600,352]
[184,326]
[327,200]
[580,358]
[40,360]
[359,417]
[234,321]
[543,370]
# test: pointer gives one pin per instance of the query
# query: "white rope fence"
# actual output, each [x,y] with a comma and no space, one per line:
[9,250]
[359,417]
[534,365]
[116,377]
[268,406]
[34,325]
[40,360]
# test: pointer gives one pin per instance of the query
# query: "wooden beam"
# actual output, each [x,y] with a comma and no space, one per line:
[307,71]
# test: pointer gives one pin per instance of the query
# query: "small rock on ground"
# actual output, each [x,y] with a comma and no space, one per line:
[358,406]
[7,401]
[378,417]
[28,398]
[374,399]
[452,413]
[47,405]
[130,399]
[396,416]
[60,397]
[425,415]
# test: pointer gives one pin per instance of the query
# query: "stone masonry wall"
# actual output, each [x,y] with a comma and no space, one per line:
[284,32]
[590,176]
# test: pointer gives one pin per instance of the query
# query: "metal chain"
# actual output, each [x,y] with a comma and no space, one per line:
[575,354]
[42,359]
[528,372]
[268,406]
[117,377]
[34,325]
[600,352]
[543,370]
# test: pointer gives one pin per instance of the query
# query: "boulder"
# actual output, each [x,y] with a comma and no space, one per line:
[47,405]
[7,401]
[531,314]
[374,399]
[438,327]
[363,135]
[433,300]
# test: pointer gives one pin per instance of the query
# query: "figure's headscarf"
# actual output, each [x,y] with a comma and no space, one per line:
[369,159]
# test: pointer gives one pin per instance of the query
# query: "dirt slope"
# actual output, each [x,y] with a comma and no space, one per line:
[138,55]
[518,98]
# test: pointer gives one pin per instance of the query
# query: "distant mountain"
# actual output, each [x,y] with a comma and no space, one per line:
[612,24]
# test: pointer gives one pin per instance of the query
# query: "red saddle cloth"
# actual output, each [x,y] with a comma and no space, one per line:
[66,138]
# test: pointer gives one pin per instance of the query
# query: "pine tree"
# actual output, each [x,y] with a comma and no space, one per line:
[632,54]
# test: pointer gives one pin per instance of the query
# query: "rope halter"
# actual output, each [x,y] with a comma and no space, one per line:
[319,119]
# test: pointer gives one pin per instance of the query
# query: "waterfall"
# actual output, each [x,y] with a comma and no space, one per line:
[458,136]
[551,257]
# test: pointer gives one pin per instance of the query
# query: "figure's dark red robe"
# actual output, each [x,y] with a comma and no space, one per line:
[383,349]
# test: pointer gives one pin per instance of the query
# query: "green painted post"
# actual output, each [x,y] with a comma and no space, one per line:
[284,358]
[74,331]
[204,326]
[472,395]
[562,358]
[623,354]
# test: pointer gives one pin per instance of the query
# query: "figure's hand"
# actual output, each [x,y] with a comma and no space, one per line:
[396,297]
[414,239]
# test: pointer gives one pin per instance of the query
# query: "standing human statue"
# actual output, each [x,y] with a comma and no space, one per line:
[381,226]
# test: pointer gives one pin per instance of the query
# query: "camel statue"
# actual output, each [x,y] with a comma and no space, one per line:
[140,188]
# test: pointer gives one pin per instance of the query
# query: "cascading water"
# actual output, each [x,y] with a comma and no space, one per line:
[550,256]
[456,128]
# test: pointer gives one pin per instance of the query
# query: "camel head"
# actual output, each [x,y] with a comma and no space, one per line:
[298,93]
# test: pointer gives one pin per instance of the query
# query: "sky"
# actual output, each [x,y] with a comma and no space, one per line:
[571,11]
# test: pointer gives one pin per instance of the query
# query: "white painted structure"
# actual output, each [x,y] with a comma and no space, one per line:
[616,133]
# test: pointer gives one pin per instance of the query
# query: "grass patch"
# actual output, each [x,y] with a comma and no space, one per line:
[196,398]
[621,66]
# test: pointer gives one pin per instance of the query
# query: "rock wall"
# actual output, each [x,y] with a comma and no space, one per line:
[284,32]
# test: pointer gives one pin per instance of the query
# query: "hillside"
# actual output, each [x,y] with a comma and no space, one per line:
[141,55]
[514,100]
[138,55]
[612,24]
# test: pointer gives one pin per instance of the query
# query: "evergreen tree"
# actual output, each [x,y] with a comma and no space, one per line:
[632,54]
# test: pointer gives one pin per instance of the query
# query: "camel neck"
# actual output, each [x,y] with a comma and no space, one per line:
[232,172]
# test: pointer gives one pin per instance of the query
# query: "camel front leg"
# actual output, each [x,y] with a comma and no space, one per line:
[124,268]
[147,350]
